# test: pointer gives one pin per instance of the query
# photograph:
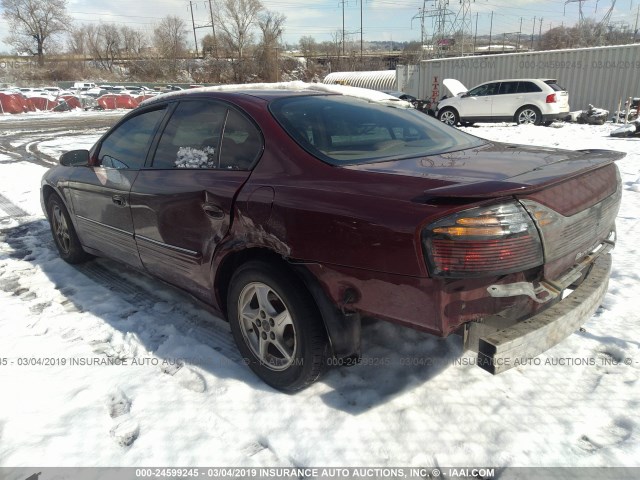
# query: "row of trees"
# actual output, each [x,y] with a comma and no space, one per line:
[246,46]
[588,34]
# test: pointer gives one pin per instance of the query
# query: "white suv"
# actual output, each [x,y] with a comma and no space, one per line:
[520,100]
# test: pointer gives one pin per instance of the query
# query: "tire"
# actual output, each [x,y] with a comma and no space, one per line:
[449,116]
[64,234]
[528,116]
[289,357]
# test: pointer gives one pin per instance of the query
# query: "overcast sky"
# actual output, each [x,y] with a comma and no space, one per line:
[383,20]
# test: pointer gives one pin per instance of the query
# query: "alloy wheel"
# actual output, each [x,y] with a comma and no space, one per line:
[60,229]
[527,117]
[267,326]
[448,117]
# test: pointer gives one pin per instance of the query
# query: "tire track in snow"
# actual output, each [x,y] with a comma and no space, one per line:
[11,209]
[135,288]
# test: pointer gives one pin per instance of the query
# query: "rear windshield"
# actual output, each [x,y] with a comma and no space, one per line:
[555,86]
[343,130]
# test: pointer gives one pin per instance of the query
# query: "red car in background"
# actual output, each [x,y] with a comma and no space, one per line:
[296,213]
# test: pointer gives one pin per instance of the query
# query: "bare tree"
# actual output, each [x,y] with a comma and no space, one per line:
[271,26]
[236,19]
[170,37]
[209,45]
[170,41]
[33,24]
[133,41]
[103,44]
[308,47]
[78,40]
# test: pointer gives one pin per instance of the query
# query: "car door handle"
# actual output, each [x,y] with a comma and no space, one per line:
[119,200]
[214,211]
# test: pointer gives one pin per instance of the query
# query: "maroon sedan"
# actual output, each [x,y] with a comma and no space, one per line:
[296,213]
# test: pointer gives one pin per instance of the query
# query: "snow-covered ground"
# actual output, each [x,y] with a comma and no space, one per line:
[179,395]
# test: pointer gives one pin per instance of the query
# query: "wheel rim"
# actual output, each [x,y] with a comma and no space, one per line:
[527,116]
[60,229]
[267,326]
[448,117]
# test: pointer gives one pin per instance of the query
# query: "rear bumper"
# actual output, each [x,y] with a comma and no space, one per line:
[549,117]
[501,350]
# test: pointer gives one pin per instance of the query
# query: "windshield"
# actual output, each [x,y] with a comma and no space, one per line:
[343,130]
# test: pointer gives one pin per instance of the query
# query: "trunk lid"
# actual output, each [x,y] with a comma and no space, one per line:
[495,169]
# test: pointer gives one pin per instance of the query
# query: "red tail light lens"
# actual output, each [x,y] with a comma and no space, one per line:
[483,241]
[551,98]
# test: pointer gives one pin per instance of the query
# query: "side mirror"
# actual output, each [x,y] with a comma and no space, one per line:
[75,158]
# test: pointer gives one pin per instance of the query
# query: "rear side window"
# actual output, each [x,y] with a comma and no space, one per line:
[342,130]
[528,87]
[126,147]
[555,86]
[241,143]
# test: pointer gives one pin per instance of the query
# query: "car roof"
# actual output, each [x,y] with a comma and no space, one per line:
[520,80]
[272,91]
[265,94]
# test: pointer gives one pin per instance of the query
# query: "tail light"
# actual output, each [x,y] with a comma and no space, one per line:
[551,98]
[483,241]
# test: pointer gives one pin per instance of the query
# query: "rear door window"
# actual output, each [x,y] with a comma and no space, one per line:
[508,87]
[191,139]
[207,134]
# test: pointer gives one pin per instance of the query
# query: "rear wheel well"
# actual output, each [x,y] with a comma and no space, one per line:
[343,329]
[233,261]
[529,107]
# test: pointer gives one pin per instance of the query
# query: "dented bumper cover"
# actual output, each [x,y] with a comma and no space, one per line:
[503,349]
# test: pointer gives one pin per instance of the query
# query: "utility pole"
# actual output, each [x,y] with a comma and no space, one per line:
[193,24]
[475,36]
[540,32]
[213,27]
[533,31]
[519,33]
[635,29]
[361,32]
[277,51]
[343,2]
[421,14]
[490,30]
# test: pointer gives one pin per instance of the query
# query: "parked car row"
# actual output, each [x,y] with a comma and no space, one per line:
[83,95]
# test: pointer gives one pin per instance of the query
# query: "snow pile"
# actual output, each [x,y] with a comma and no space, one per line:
[189,157]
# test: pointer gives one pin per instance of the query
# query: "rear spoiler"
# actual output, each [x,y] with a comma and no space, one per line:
[529,182]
